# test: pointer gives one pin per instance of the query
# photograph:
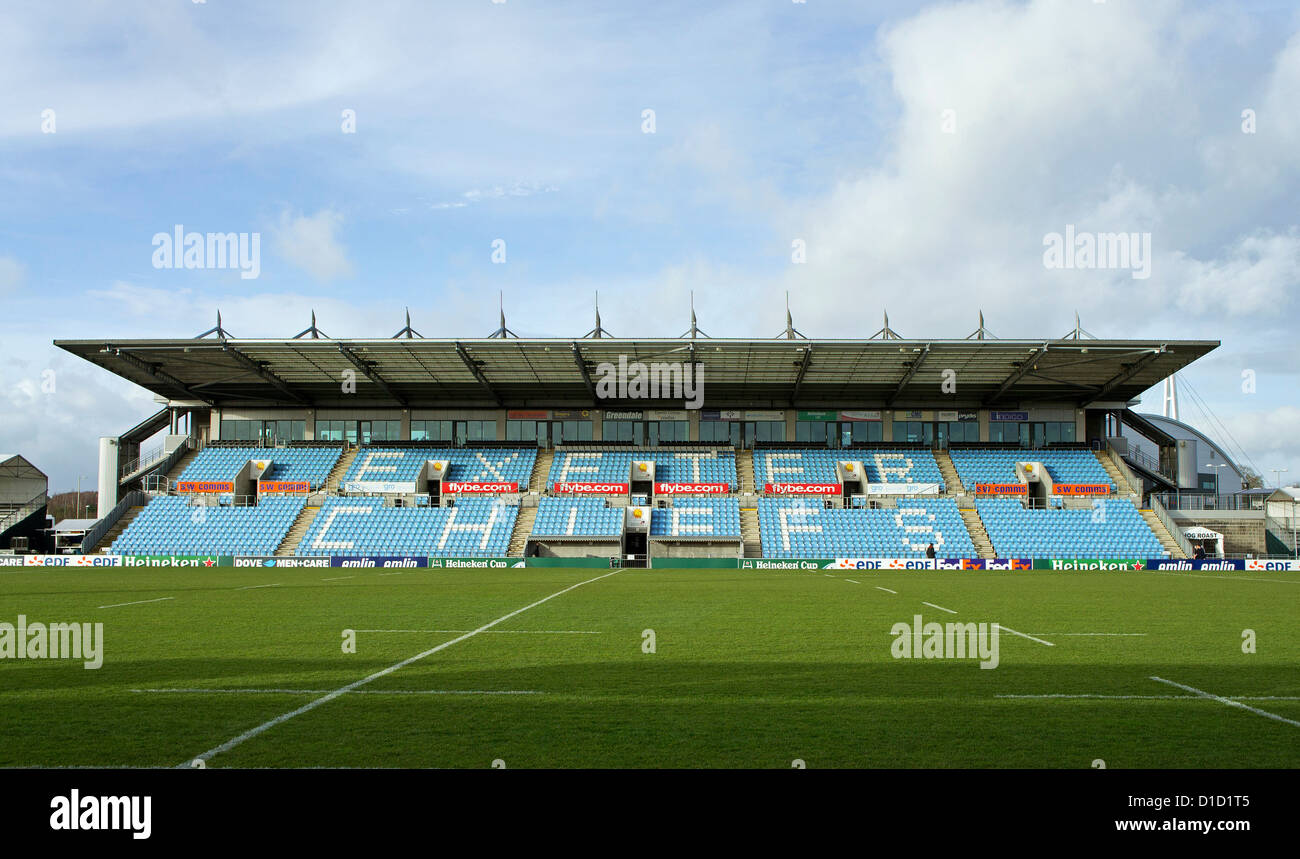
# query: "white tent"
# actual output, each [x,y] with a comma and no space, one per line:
[1197,534]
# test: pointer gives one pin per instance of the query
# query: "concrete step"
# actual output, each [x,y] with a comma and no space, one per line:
[289,546]
[523,528]
[541,470]
[952,484]
[104,545]
[1166,539]
[979,535]
[340,470]
[745,470]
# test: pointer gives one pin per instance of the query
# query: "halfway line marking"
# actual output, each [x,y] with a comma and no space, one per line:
[255,587]
[1228,701]
[357,684]
[886,590]
[855,581]
[939,607]
[137,602]
[337,578]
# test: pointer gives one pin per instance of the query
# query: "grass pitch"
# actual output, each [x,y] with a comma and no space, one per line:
[750,669]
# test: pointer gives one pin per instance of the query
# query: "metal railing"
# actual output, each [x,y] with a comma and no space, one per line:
[1192,501]
[1174,531]
[22,511]
[103,526]
[1132,483]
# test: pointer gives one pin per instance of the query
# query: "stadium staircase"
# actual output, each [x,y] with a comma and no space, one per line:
[541,471]
[951,482]
[745,474]
[1122,486]
[974,526]
[749,536]
[105,545]
[340,469]
[181,464]
[289,546]
[1166,539]
[523,527]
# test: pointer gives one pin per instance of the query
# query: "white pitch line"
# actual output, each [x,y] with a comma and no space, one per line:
[357,684]
[886,590]
[337,578]
[353,692]
[498,631]
[255,587]
[939,607]
[1228,701]
[390,574]
[1023,635]
[137,602]
[855,581]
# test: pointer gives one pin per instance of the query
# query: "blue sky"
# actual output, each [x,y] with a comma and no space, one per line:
[774,121]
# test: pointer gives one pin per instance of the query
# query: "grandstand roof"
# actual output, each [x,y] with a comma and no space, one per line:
[516,372]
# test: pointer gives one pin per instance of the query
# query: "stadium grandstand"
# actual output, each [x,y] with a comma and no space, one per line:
[507,447]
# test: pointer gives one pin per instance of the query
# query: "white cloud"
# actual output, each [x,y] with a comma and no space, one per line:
[311,243]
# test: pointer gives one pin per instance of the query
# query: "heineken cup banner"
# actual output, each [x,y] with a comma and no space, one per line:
[178,561]
[475,563]
[1117,565]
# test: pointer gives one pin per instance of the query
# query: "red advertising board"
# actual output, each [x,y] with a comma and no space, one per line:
[455,486]
[1081,489]
[692,488]
[592,488]
[802,488]
[283,487]
[1001,489]
[205,486]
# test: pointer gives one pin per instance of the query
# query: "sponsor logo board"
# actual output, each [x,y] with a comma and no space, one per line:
[68,561]
[1001,489]
[1196,564]
[1081,489]
[802,488]
[579,487]
[380,486]
[176,561]
[902,489]
[282,563]
[692,488]
[379,561]
[205,486]
[467,487]
[1277,566]
[474,563]
[283,487]
[1106,564]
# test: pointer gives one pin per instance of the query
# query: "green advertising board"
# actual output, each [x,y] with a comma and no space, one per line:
[817,416]
[178,560]
[1073,564]
[475,563]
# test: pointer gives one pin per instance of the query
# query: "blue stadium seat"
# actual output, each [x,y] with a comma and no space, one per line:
[795,528]
[312,464]
[999,466]
[479,527]
[1109,528]
[697,517]
[672,465]
[169,525]
[470,465]
[818,466]
[577,517]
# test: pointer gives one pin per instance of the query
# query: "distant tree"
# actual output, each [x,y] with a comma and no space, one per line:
[63,505]
[1251,478]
